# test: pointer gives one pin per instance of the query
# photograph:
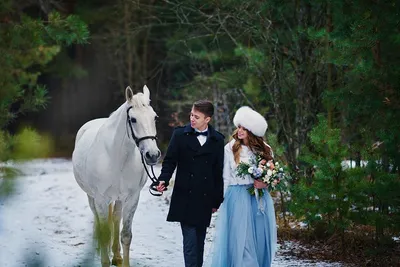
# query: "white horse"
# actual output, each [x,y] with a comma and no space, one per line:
[107,164]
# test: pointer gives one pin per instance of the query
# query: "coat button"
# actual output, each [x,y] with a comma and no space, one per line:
[205,178]
[190,191]
[205,195]
[191,175]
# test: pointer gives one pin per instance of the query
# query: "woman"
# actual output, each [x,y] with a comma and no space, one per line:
[245,235]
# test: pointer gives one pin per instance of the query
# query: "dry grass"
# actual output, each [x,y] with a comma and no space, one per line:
[358,248]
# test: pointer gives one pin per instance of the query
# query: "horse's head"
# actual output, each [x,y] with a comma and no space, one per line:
[141,121]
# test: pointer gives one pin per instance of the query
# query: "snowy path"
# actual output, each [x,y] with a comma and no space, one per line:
[48,218]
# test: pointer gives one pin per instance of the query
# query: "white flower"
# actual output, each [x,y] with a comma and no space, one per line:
[250,170]
[277,164]
[268,164]
[273,172]
[269,173]
[281,169]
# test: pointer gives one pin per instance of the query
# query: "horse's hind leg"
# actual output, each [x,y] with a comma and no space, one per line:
[128,211]
[116,248]
[93,208]
[103,233]
[110,221]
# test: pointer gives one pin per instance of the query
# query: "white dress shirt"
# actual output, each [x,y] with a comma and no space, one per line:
[202,138]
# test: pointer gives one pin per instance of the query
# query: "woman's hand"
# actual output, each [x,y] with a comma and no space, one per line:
[259,185]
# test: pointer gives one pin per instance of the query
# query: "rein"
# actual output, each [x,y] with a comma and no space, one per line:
[153,187]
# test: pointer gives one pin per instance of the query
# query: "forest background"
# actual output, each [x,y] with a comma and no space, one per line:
[325,74]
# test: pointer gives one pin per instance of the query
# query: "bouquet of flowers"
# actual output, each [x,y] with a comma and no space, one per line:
[260,169]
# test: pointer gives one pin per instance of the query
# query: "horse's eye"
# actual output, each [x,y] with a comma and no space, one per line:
[133,120]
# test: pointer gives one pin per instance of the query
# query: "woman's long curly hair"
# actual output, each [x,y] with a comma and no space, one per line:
[256,144]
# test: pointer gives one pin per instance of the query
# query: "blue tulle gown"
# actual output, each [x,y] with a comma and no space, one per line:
[244,236]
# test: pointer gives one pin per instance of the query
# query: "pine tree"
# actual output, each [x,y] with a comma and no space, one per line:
[28,44]
[363,106]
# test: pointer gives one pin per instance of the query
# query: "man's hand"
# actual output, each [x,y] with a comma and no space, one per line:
[161,186]
[259,184]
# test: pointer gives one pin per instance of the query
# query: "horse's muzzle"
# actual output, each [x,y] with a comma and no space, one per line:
[152,158]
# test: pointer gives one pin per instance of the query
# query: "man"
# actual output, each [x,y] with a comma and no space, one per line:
[197,150]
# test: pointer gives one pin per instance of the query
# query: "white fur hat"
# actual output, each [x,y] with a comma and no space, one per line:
[251,120]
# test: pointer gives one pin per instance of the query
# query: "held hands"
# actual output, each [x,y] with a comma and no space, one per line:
[259,185]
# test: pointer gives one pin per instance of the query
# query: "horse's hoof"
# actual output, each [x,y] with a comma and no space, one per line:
[117,261]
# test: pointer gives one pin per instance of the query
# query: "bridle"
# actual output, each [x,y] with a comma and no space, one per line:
[153,187]
[137,140]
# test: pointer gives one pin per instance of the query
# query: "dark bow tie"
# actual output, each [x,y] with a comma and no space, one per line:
[201,133]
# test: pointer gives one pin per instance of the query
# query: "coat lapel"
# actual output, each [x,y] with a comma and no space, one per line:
[206,148]
[192,141]
[194,144]
[208,145]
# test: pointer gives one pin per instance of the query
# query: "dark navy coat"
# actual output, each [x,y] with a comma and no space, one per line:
[198,184]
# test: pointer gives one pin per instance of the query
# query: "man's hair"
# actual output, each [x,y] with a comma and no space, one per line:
[205,107]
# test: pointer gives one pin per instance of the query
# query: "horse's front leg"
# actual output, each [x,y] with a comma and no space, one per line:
[117,259]
[103,232]
[128,211]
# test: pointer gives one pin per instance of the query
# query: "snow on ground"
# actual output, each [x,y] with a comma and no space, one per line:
[48,219]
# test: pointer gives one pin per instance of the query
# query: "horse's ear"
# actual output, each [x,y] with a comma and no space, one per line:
[128,93]
[146,92]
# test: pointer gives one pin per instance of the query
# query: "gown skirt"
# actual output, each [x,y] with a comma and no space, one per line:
[245,236]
